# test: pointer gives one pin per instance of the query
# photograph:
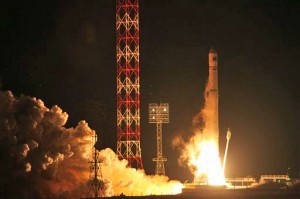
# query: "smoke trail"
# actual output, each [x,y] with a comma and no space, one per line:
[39,157]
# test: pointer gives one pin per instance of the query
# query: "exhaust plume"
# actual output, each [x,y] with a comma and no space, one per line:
[201,152]
[132,182]
[41,158]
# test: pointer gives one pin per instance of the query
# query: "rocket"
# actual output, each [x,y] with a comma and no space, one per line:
[212,96]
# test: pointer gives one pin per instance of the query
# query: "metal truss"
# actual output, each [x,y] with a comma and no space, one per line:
[159,114]
[95,184]
[128,85]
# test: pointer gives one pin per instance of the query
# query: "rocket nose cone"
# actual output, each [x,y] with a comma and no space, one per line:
[212,50]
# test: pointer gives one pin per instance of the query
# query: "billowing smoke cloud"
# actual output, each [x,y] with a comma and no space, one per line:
[130,181]
[39,157]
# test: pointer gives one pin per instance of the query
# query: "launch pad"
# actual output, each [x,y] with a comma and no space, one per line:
[192,189]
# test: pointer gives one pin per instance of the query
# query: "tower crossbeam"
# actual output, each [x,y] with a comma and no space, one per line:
[128,82]
[159,114]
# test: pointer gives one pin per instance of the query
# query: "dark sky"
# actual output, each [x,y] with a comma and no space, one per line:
[64,53]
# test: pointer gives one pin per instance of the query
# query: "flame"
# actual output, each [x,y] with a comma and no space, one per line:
[201,155]
[201,152]
[207,164]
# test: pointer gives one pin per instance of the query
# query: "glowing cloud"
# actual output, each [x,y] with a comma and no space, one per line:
[41,158]
[130,181]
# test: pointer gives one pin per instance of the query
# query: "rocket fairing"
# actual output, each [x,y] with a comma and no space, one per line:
[212,94]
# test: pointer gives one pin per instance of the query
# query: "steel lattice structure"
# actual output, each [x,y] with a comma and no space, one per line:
[95,184]
[128,82]
[159,114]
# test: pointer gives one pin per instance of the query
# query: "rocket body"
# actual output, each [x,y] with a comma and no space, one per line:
[212,97]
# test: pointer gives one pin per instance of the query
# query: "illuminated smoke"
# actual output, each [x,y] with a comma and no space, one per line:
[130,181]
[39,157]
[201,152]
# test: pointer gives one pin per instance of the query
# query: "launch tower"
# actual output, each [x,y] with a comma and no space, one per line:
[159,114]
[128,82]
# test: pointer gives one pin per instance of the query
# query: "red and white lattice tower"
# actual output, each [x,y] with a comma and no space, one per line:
[128,83]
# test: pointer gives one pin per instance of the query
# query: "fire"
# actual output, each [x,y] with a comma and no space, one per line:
[201,152]
[207,164]
[201,155]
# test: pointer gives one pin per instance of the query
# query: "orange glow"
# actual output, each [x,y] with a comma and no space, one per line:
[201,152]
[132,182]
[207,164]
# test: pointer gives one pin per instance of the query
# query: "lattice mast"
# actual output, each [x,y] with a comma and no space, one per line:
[95,184]
[128,85]
[159,114]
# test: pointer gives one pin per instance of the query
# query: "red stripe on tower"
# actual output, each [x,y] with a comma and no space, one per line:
[128,82]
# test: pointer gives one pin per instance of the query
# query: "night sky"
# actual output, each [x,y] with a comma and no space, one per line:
[63,52]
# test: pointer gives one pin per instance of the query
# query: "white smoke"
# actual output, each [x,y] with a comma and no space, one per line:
[41,158]
[129,181]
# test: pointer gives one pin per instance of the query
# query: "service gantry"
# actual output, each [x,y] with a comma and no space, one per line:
[128,82]
[159,114]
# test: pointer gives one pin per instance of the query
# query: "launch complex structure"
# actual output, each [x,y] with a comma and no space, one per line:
[128,89]
[128,106]
[128,82]
[159,114]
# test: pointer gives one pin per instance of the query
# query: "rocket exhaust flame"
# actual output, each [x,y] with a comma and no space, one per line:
[208,165]
[201,152]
